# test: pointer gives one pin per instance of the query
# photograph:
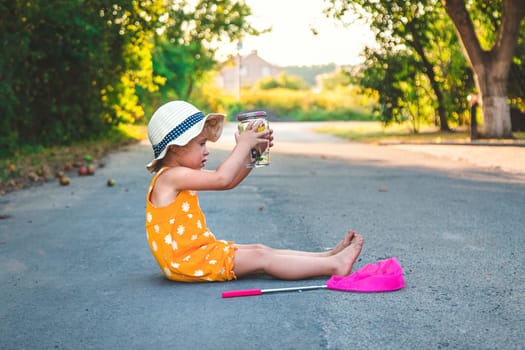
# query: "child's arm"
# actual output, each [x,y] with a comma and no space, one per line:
[228,175]
[243,172]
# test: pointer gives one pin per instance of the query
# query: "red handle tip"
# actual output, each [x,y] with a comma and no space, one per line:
[241,293]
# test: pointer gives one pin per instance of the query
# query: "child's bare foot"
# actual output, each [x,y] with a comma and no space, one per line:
[349,255]
[345,242]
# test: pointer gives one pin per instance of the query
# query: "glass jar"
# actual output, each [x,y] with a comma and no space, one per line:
[261,154]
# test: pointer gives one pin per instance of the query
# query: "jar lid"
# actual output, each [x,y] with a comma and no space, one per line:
[251,115]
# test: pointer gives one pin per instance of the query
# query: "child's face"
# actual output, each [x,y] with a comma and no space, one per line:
[195,154]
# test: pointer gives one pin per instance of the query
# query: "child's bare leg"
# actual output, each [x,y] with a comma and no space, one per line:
[345,242]
[252,259]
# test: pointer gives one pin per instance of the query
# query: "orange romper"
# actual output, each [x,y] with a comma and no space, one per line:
[183,246]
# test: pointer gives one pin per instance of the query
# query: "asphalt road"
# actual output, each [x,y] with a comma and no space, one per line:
[76,272]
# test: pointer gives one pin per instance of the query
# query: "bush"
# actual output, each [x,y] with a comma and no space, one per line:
[340,104]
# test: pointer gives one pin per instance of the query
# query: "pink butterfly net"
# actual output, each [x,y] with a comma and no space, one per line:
[385,275]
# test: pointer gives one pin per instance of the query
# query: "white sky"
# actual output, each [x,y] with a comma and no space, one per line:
[291,41]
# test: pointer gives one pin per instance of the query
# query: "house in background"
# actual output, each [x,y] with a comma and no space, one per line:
[244,71]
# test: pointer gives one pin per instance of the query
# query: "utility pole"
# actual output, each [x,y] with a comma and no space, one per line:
[239,64]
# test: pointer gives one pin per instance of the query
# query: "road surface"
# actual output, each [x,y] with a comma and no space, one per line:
[76,272]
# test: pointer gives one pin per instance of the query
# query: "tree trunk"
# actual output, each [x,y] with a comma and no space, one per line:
[490,68]
[493,101]
[496,117]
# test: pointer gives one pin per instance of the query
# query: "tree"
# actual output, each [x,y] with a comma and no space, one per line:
[72,70]
[402,25]
[490,66]
[185,50]
[68,69]
[396,78]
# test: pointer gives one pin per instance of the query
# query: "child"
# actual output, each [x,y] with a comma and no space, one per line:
[178,237]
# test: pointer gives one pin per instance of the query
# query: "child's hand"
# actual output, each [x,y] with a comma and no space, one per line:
[269,137]
[255,134]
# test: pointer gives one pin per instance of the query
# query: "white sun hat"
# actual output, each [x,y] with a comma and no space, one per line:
[177,123]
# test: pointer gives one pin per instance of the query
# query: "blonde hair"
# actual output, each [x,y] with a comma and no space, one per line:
[212,129]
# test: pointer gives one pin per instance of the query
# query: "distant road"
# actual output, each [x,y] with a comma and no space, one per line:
[301,138]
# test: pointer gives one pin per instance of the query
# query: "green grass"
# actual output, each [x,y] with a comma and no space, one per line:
[333,116]
[376,132]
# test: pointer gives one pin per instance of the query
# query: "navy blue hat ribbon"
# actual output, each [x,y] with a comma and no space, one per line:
[177,131]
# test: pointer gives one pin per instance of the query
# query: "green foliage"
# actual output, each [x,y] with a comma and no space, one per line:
[338,114]
[184,51]
[233,109]
[39,81]
[487,19]
[423,34]
[285,104]
[73,70]
[383,74]
[68,68]
[309,73]
[421,57]
[177,65]
[339,78]
[283,81]
[137,25]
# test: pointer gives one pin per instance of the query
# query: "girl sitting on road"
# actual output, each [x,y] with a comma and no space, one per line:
[185,249]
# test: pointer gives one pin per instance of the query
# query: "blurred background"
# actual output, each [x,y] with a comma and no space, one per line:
[92,72]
